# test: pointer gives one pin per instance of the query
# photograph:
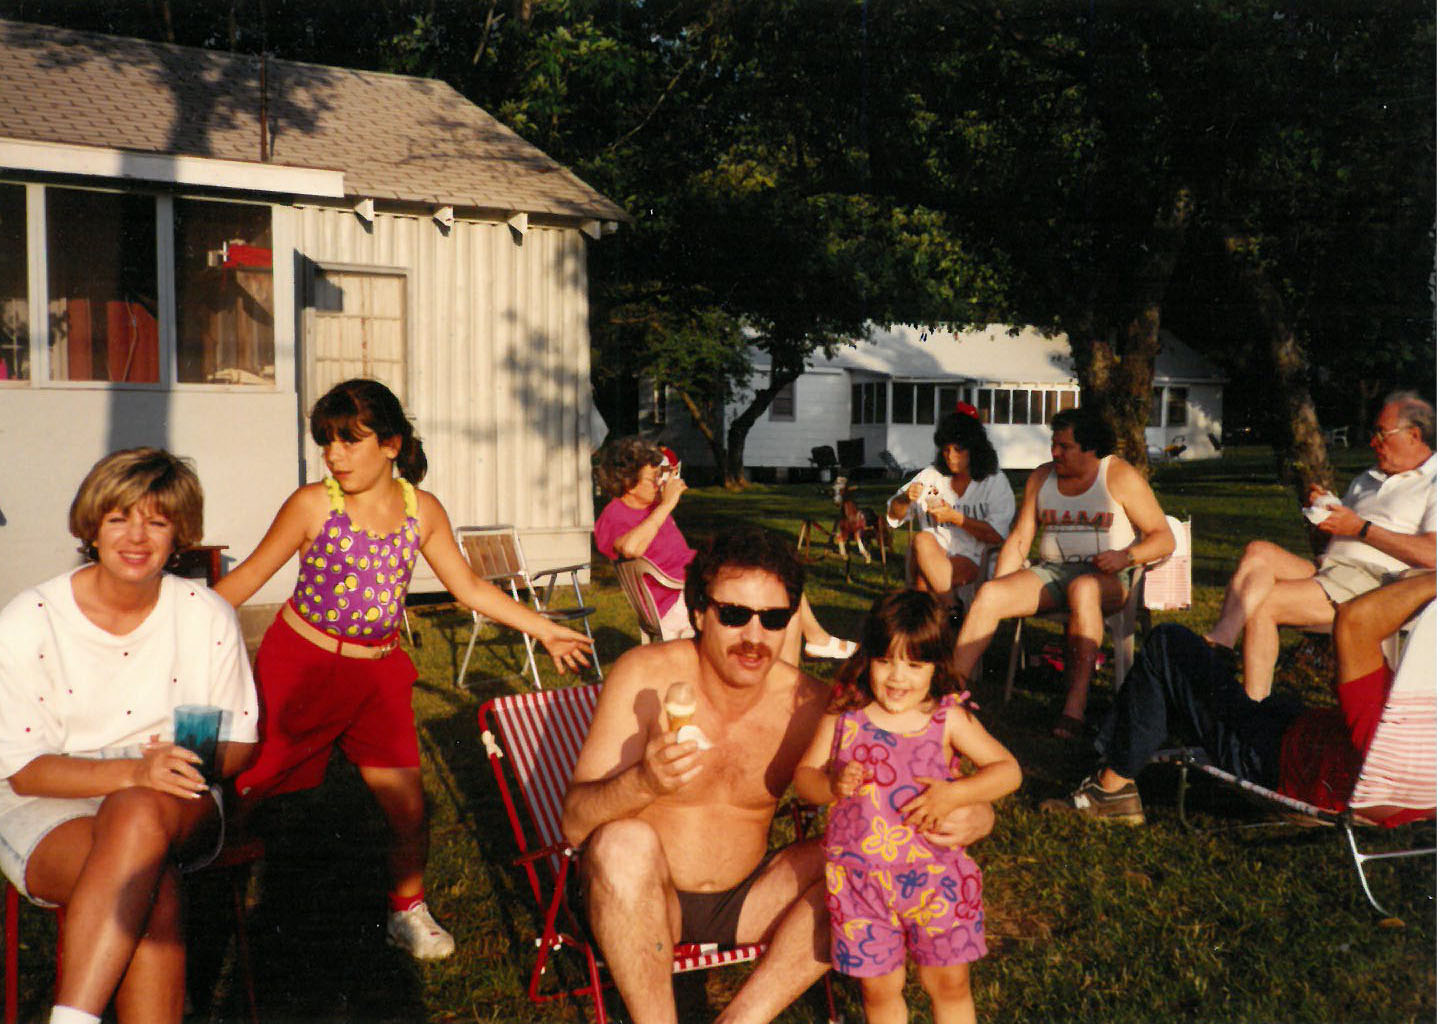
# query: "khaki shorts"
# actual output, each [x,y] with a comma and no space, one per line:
[1057,576]
[1342,579]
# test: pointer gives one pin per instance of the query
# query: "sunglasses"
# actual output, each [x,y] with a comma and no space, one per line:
[733,616]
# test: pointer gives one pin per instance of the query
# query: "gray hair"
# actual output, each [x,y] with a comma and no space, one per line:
[1415,412]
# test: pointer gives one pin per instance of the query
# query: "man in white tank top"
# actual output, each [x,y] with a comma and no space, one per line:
[1097,519]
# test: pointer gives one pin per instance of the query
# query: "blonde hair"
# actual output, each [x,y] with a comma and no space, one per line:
[136,476]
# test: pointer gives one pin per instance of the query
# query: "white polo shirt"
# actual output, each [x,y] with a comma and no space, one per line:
[1401,503]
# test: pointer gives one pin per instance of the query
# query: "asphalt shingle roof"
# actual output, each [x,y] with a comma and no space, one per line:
[393,136]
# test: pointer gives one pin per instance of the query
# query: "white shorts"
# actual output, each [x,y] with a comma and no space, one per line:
[24,825]
[675,624]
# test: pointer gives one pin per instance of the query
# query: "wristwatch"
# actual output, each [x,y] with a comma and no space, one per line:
[1364,529]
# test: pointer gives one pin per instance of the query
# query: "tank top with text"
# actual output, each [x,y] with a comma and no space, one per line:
[1076,528]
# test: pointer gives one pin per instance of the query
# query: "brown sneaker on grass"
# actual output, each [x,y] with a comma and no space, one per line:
[1090,801]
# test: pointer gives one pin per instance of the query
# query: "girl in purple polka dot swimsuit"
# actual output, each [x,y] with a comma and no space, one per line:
[887,755]
[330,670]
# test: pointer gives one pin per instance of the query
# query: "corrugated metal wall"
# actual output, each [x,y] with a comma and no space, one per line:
[499,365]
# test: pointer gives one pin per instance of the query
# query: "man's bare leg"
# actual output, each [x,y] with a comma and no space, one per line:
[1261,566]
[786,909]
[1018,593]
[1362,624]
[634,915]
[1090,598]
[1290,603]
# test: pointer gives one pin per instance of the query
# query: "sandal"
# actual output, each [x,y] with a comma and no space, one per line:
[834,649]
[1068,727]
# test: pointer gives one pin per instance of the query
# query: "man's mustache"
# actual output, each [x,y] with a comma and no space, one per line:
[746,649]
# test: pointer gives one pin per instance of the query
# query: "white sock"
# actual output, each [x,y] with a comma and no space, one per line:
[70,1015]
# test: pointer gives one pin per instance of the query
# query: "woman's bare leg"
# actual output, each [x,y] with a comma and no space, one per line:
[112,873]
[936,570]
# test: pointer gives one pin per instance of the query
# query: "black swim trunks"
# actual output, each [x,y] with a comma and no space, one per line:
[715,916]
[704,916]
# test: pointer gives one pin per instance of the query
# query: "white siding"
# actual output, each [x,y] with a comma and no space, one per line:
[1204,421]
[242,443]
[822,416]
[499,367]
[499,387]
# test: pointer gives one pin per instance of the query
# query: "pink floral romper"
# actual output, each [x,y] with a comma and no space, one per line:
[889,890]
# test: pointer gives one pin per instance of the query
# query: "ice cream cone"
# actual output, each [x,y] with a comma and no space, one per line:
[679,705]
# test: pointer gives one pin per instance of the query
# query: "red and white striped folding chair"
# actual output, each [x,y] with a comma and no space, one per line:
[540,735]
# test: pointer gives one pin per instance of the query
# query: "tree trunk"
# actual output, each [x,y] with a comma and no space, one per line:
[740,427]
[1301,456]
[1118,378]
[704,422]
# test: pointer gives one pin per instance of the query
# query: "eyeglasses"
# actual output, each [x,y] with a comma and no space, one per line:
[1380,434]
[733,616]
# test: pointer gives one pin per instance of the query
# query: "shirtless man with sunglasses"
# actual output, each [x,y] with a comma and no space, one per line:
[674,837]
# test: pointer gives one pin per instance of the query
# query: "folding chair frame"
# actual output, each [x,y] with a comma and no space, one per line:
[1132,613]
[541,734]
[1347,821]
[495,554]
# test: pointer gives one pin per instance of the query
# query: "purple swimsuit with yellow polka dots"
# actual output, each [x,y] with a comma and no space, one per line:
[352,582]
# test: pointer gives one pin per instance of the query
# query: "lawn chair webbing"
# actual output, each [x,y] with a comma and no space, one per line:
[541,734]
[1399,769]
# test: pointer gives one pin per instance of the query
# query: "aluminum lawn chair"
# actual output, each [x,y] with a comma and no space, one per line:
[540,735]
[495,554]
[1122,626]
[1396,782]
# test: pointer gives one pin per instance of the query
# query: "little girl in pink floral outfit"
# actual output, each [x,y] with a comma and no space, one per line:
[886,755]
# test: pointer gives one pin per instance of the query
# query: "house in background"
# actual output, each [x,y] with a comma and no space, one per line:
[195,245]
[884,393]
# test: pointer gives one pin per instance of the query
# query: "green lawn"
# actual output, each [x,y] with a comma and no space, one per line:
[1086,923]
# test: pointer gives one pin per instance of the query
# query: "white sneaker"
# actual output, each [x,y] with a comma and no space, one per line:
[416,932]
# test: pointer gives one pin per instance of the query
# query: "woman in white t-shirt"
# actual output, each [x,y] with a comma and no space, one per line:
[99,806]
[962,505]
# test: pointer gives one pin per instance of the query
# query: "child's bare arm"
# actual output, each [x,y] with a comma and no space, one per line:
[813,782]
[287,534]
[997,773]
[567,647]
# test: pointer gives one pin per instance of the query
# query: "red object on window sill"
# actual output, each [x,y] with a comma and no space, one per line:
[245,256]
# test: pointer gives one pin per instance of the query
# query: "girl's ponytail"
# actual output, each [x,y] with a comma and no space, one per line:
[411,460]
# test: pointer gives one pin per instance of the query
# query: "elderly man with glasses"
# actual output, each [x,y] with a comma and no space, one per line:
[1384,525]
[674,832]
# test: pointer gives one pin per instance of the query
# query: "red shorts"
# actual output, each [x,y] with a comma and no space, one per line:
[310,699]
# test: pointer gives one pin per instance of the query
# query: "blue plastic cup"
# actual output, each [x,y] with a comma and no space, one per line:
[197,728]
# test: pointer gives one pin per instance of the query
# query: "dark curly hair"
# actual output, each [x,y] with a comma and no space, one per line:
[969,433]
[621,461]
[359,406]
[921,625]
[1092,433]
[745,547]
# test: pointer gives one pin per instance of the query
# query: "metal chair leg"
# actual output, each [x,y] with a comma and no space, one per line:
[465,662]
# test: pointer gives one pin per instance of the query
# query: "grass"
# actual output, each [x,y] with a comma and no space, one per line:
[1085,923]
